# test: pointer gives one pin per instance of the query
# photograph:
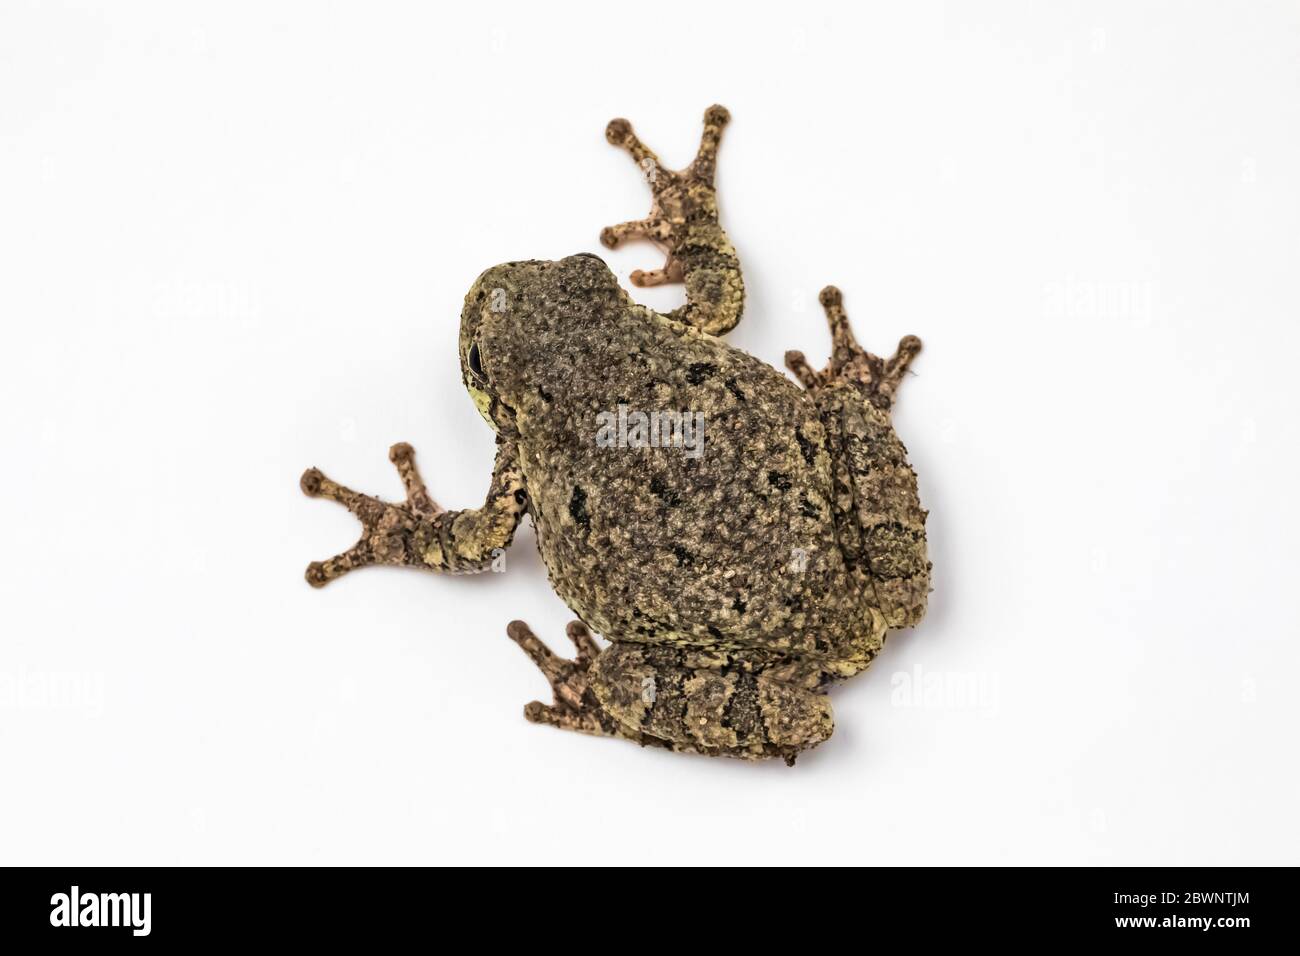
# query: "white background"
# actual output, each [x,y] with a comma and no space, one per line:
[234,242]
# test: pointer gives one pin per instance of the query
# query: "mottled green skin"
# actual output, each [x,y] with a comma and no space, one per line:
[665,547]
[698,557]
[733,586]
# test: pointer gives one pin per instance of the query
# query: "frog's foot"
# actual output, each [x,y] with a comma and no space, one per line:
[389,532]
[683,221]
[877,377]
[658,231]
[575,706]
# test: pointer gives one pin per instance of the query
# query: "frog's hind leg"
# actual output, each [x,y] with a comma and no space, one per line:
[575,706]
[681,700]
[683,221]
[709,703]
[877,377]
[884,532]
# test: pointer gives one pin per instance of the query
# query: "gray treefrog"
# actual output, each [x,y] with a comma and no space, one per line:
[742,542]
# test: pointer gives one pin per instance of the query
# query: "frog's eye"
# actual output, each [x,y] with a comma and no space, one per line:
[476,364]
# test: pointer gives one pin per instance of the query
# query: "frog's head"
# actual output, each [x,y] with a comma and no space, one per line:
[517,317]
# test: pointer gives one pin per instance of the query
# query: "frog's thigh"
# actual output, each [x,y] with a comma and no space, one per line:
[722,709]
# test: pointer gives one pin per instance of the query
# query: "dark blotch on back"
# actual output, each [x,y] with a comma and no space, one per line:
[805,446]
[699,371]
[779,480]
[669,497]
[578,507]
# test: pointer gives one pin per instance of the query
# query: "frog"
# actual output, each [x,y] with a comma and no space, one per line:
[755,555]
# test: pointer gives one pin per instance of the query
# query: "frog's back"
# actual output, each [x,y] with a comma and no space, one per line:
[725,538]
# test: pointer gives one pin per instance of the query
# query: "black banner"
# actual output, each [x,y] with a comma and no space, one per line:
[209,905]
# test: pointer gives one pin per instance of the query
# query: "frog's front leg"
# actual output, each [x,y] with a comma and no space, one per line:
[418,533]
[683,221]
